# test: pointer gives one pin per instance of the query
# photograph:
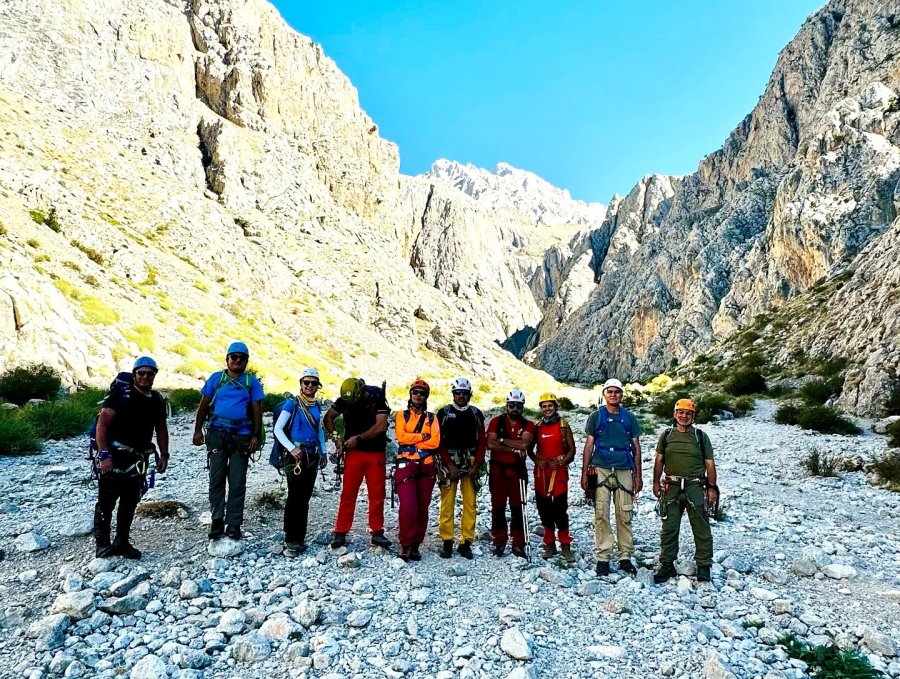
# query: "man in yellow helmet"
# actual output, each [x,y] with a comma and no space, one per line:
[684,478]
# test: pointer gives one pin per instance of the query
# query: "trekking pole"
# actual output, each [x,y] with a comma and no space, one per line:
[522,490]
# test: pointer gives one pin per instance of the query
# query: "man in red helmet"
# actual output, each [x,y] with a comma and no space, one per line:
[684,478]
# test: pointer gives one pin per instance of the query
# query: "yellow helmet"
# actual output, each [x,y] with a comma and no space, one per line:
[548,396]
[685,404]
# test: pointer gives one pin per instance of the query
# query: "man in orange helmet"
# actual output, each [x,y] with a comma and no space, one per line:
[684,478]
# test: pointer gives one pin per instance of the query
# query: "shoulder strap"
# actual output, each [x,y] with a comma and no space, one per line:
[626,423]
[698,434]
[309,418]
[563,423]
[420,423]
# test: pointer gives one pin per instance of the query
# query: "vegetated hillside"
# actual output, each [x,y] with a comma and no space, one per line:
[805,189]
[176,174]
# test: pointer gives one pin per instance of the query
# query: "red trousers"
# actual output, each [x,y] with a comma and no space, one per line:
[415,484]
[359,464]
[503,482]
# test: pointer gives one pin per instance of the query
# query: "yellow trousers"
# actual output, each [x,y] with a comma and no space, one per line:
[448,509]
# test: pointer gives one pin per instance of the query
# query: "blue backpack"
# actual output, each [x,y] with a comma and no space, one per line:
[614,458]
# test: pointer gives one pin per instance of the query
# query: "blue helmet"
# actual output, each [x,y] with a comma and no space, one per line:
[145,362]
[237,348]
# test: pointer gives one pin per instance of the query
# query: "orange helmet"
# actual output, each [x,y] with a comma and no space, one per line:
[421,384]
[685,404]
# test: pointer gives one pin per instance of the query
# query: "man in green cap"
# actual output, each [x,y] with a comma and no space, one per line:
[365,412]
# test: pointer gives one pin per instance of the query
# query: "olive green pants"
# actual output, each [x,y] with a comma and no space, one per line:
[672,506]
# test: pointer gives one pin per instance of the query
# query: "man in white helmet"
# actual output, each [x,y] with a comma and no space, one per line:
[611,467]
[462,453]
[508,439]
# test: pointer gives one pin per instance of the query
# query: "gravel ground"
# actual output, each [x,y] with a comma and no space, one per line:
[816,556]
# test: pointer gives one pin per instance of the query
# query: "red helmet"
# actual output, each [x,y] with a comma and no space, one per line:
[421,384]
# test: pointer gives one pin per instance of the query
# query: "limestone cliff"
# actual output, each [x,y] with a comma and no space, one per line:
[175,174]
[803,189]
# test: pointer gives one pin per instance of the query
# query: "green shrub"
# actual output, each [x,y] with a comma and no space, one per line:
[831,367]
[829,662]
[710,405]
[745,381]
[892,404]
[37,216]
[92,254]
[272,400]
[743,406]
[565,403]
[821,463]
[826,420]
[184,400]
[64,418]
[748,337]
[52,220]
[16,435]
[887,468]
[817,392]
[33,242]
[780,390]
[789,413]
[35,380]
[269,499]
[893,434]
[754,359]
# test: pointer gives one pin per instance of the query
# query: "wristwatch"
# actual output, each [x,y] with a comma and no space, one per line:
[501,440]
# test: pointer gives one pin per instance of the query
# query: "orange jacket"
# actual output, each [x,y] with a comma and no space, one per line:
[412,445]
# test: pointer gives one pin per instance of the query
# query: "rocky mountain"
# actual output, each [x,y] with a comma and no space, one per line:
[174,174]
[804,189]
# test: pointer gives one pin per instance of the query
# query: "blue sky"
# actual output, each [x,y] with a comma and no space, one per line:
[589,95]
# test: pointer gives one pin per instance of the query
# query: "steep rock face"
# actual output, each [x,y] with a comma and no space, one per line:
[212,177]
[496,241]
[798,192]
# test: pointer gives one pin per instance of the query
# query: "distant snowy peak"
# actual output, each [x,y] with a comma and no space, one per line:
[510,189]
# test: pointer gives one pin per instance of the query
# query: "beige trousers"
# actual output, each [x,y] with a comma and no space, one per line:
[603,538]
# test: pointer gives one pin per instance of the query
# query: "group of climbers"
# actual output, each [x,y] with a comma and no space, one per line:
[448,447]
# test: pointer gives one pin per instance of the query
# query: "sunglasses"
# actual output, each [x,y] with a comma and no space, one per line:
[418,392]
[237,358]
[461,392]
[309,383]
[145,373]
[515,405]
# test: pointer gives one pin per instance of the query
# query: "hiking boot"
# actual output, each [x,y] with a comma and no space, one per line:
[414,553]
[499,549]
[103,551]
[703,574]
[567,554]
[378,540]
[446,549]
[664,572]
[338,540]
[520,552]
[626,566]
[216,529]
[234,532]
[465,549]
[548,550]
[292,549]
[603,568]
[404,551]
[126,549]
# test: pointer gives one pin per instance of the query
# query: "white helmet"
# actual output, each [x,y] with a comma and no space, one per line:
[461,384]
[310,372]
[515,396]
[612,382]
